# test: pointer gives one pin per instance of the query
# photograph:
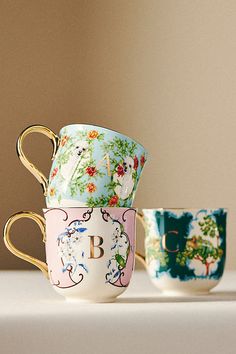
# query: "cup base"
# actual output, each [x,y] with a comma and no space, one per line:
[96,300]
[190,288]
[184,294]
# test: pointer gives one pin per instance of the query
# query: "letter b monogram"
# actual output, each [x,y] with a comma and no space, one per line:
[95,254]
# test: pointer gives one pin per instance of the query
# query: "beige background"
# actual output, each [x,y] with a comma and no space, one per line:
[163,72]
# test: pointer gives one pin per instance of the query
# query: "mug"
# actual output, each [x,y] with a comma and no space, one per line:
[92,166]
[89,251]
[185,249]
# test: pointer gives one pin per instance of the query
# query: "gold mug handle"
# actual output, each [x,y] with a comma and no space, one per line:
[29,165]
[139,255]
[6,236]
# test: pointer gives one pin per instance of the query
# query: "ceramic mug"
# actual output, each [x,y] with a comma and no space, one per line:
[89,252]
[92,166]
[185,249]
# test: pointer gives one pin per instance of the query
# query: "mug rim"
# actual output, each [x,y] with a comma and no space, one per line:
[108,129]
[184,209]
[85,207]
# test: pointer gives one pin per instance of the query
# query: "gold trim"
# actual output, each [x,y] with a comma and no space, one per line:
[163,241]
[6,236]
[141,259]
[93,246]
[138,255]
[29,165]
[140,217]
[108,165]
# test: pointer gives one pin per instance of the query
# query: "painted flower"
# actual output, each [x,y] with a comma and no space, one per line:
[91,171]
[93,134]
[120,170]
[91,188]
[142,160]
[64,140]
[135,162]
[52,192]
[113,200]
[54,172]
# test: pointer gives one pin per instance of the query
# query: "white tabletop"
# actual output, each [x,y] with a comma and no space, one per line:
[34,319]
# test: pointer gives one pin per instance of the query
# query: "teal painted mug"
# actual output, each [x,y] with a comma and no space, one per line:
[185,249]
[92,166]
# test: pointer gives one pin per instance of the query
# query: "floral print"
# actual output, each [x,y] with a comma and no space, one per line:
[93,134]
[113,200]
[95,167]
[142,160]
[77,253]
[120,170]
[135,163]
[64,140]
[71,250]
[91,171]
[52,192]
[120,250]
[54,172]
[91,188]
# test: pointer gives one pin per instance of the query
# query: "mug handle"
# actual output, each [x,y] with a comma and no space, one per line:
[31,167]
[139,255]
[6,236]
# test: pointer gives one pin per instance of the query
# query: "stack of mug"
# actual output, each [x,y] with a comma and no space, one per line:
[89,224]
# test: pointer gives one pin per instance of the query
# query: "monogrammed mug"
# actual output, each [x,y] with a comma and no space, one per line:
[89,252]
[185,249]
[92,166]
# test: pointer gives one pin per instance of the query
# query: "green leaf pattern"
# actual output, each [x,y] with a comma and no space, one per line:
[201,247]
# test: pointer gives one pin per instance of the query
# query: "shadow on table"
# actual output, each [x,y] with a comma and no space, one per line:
[211,297]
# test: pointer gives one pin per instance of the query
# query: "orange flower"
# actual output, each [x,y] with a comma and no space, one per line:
[93,134]
[64,140]
[52,192]
[91,187]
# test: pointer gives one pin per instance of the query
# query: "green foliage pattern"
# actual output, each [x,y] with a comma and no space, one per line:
[154,251]
[199,248]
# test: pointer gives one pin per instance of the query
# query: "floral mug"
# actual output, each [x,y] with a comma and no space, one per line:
[89,252]
[92,166]
[185,249]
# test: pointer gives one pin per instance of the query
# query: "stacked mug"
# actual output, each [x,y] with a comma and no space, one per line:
[89,224]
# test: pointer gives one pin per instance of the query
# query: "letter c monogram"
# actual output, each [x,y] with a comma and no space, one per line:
[164,242]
